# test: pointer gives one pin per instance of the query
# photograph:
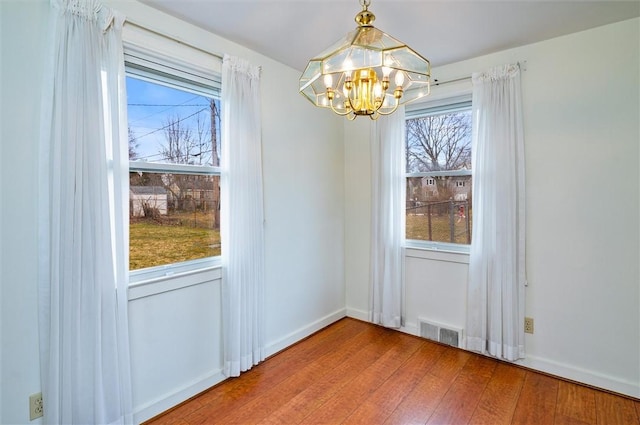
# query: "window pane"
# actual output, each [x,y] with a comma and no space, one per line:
[170,125]
[172,218]
[439,200]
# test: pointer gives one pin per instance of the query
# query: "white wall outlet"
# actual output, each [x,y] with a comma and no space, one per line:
[528,325]
[35,406]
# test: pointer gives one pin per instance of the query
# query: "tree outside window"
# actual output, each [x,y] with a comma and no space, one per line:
[438,179]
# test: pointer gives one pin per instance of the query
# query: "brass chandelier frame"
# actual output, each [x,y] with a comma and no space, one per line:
[352,77]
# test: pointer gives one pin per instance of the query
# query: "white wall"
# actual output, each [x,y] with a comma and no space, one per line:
[175,325]
[22,61]
[581,97]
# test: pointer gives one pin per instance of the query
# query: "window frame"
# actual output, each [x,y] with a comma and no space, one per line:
[435,107]
[162,70]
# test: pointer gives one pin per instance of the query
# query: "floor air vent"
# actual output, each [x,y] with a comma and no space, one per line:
[440,333]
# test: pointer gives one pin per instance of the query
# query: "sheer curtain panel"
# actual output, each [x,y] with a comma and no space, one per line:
[84,342]
[242,217]
[495,299]
[387,218]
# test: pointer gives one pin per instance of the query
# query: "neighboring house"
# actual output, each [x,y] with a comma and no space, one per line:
[440,185]
[460,187]
[202,193]
[153,196]
[204,199]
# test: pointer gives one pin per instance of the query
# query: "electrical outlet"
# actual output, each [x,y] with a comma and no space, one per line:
[528,325]
[35,406]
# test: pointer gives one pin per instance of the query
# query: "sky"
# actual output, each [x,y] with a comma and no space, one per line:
[151,106]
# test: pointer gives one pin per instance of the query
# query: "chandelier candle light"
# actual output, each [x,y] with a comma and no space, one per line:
[354,76]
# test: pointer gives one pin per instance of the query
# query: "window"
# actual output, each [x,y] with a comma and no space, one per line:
[438,175]
[174,174]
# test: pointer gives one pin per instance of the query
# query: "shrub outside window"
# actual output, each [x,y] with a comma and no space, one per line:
[438,174]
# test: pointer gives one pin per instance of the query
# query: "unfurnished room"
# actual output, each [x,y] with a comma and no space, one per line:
[320,212]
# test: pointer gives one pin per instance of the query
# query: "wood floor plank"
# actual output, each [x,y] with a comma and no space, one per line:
[237,392]
[176,416]
[498,401]
[296,409]
[419,404]
[260,407]
[450,364]
[537,402]
[459,403]
[343,403]
[290,358]
[575,402]
[318,392]
[391,393]
[351,352]
[614,410]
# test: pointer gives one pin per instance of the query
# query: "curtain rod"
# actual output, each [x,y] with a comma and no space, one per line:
[521,64]
[172,37]
[436,82]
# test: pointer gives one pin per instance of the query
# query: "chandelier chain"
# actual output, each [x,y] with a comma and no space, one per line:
[365,3]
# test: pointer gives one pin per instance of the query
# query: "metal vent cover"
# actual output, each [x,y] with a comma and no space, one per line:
[429,331]
[438,332]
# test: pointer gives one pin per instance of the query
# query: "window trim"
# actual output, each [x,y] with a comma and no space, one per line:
[160,167]
[453,248]
[437,107]
[143,276]
[157,68]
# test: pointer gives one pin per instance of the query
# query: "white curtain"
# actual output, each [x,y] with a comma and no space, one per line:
[387,218]
[84,342]
[495,298]
[242,217]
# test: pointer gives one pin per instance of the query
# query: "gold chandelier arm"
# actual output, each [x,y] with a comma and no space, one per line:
[337,111]
[391,111]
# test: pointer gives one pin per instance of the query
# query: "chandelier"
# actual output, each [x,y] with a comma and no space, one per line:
[367,73]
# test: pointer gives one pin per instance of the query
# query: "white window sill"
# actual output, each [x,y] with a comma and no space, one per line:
[156,280]
[438,251]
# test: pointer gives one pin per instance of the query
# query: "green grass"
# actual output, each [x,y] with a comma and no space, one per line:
[153,244]
[417,227]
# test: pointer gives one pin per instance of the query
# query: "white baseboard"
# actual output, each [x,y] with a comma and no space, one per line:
[580,375]
[358,314]
[154,408]
[299,334]
[547,366]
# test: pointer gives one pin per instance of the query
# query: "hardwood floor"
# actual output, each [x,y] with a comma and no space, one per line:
[353,372]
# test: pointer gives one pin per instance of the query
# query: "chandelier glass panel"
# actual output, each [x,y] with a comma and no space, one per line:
[366,73]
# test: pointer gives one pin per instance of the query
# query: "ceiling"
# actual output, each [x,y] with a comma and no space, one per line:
[292,31]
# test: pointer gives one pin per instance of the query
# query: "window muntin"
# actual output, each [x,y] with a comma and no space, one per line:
[174,152]
[438,175]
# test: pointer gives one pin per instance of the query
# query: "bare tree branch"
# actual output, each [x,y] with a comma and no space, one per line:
[439,142]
